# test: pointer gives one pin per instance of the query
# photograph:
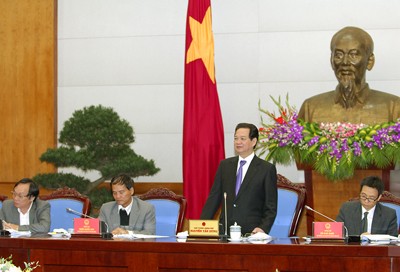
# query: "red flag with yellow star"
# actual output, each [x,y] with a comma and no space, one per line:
[203,133]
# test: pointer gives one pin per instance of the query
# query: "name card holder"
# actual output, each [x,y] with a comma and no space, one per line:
[328,231]
[204,228]
[87,227]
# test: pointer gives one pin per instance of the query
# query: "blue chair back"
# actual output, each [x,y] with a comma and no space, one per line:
[2,198]
[167,215]
[60,200]
[287,202]
[60,218]
[170,210]
[291,201]
[390,200]
[395,207]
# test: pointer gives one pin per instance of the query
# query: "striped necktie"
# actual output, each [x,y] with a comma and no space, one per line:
[239,176]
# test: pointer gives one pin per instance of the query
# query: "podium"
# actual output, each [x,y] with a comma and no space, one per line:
[327,196]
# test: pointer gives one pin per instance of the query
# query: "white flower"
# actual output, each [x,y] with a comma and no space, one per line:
[9,267]
[6,265]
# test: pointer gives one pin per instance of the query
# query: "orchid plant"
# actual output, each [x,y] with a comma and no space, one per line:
[334,150]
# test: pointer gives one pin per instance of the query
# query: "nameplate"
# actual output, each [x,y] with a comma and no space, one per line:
[203,228]
[86,226]
[328,230]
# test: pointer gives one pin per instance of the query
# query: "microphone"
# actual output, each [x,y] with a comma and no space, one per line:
[78,213]
[105,235]
[323,215]
[224,237]
[327,217]
[226,215]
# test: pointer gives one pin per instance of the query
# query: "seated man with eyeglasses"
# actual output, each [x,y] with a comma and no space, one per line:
[25,212]
[368,216]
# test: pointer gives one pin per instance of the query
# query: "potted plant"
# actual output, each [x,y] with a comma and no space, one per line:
[94,138]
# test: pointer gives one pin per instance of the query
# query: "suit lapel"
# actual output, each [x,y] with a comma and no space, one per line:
[114,216]
[134,215]
[15,215]
[231,179]
[357,215]
[32,212]
[376,219]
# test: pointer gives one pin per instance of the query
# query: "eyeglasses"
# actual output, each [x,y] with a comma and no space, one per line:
[368,199]
[19,196]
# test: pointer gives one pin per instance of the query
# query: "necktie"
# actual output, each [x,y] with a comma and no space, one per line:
[364,223]
[239,176]
[123,217]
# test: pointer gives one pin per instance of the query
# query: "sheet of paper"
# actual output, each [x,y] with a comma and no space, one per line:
[137,236]
[16,234]
[378,237]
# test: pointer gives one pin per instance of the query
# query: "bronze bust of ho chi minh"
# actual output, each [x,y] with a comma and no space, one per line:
[352,54]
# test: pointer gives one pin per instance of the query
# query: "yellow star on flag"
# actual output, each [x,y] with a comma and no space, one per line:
[202,46]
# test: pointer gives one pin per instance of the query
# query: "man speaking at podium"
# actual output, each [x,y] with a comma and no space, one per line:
[249,184]
[368,216]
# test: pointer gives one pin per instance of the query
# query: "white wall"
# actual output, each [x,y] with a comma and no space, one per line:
[129,55]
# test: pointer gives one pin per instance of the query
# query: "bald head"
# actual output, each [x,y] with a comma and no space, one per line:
[357,34]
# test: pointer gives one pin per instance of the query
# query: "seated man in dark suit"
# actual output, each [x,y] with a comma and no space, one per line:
[25,212]
[127,214]
[368,216]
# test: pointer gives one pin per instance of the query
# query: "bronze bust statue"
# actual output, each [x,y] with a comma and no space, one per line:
[352,54]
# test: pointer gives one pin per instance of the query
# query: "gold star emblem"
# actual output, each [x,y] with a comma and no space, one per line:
[202,46]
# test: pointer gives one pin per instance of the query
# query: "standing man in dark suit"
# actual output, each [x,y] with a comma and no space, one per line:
[26,212]
[368,216]
[254,205]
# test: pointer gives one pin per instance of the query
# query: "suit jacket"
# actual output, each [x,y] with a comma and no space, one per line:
[383,222]
[39,216]
[142,218]
[256,202]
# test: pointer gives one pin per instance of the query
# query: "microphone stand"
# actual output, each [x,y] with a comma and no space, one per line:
[224,237]
[346,231]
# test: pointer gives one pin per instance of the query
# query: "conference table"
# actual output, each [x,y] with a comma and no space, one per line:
[167,254]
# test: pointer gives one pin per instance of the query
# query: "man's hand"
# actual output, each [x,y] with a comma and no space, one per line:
[255,230]
[10,226]
[119,231]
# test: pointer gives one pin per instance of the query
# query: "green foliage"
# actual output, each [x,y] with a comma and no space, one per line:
[59,180]
[98,197]
[94,138]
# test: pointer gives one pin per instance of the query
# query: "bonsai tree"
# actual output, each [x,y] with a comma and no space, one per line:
[94,138]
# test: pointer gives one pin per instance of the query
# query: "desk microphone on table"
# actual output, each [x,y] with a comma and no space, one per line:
[224,237]
[327,217]
[104,234]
